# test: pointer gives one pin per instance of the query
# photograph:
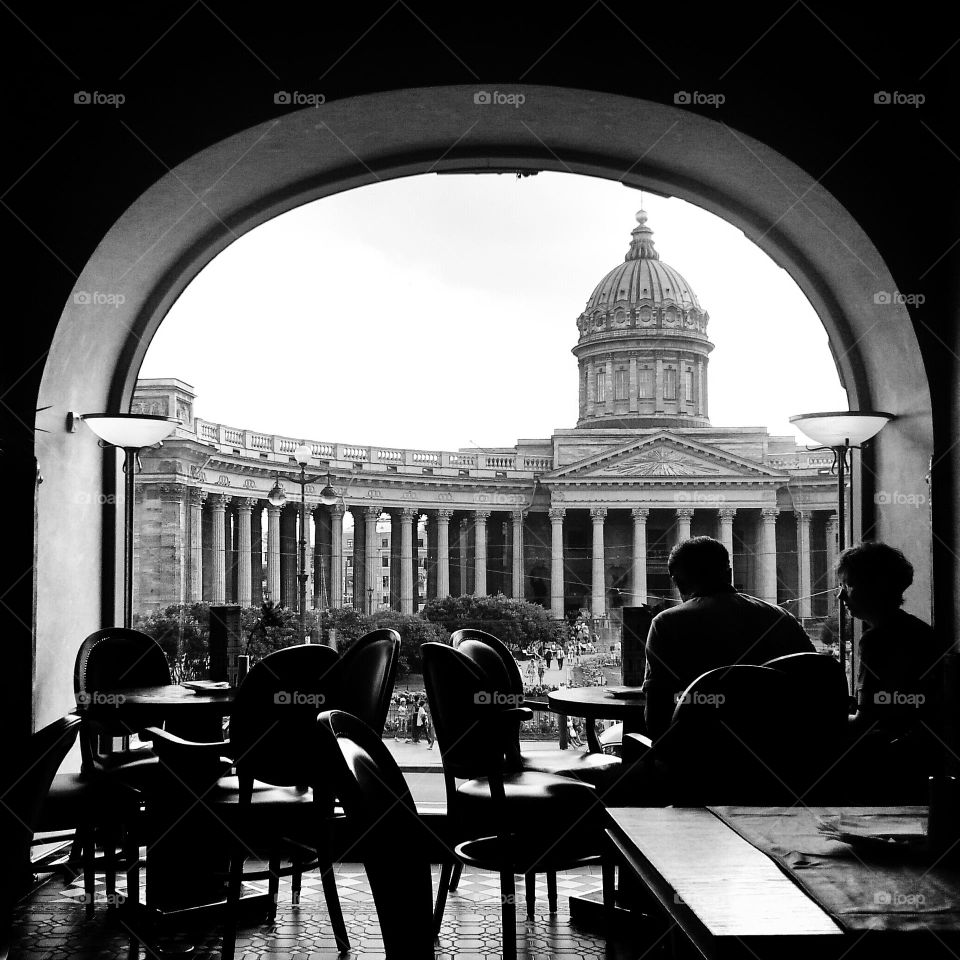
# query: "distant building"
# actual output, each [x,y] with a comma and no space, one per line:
[584,518]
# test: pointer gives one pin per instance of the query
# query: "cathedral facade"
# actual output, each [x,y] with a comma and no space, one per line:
[582,519]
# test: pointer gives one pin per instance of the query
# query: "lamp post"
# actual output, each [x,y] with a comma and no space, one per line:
[327,496]
[842,432]
[131,432]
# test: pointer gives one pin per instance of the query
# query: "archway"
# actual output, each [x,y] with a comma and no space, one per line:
[174,229]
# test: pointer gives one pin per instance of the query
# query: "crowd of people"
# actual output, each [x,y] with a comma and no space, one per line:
[413,720]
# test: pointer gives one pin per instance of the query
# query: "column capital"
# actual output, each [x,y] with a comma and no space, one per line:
[444,514]
[481,516]
[220,500]
[372,513]
[409,514]
[833,519]
[557,513]
[519,516]
[727,513]
[338,510]
[640,513]
[274,509]
[770,513]
[684,513]
[246,504]
[598,513]
[197,495]
[801,516]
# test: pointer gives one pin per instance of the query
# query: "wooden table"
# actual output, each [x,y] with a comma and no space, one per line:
[730,899]
[597,703]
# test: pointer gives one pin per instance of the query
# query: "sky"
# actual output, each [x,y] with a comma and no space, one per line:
[438,312]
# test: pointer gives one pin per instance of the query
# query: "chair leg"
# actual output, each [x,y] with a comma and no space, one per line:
[455,879]
[530,879]
[131,847]
[273,886]
[111,840]
[442,887]
[508,904]
[89,866]
[233,905]
[296,883]
[552,890]
[329,882]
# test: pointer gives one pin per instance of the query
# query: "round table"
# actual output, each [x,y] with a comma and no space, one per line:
[598,703]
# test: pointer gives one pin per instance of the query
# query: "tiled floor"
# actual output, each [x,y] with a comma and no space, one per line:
[52,924]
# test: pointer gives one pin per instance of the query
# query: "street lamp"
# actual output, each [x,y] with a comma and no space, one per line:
[132,432]
[842,432]
[327,496]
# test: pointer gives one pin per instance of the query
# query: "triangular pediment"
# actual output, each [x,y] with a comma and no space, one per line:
[664,457]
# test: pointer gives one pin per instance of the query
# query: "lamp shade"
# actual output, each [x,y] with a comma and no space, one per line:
[847,428]
[328,496]
[303,453]
[130,430]
[276,496]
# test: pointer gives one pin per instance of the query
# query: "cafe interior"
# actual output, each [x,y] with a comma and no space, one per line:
[142,143]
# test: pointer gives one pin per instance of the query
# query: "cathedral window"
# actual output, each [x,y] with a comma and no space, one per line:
[688,385]
[620,384]
[645,385]
[601,384]
[669,384]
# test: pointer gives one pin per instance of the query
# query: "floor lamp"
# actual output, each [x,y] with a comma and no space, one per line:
[132,432]
[842,432]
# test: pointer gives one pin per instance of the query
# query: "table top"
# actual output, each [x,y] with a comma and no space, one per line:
[596,703]
[165,697]
[719,888]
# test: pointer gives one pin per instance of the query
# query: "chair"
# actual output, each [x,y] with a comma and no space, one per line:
[108,793]
[559,818]
[378,803]
[269,803]
[26,780]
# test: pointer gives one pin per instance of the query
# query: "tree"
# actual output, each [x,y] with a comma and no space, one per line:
[518,623]
[414,630]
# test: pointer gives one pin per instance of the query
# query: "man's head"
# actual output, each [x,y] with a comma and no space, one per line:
[873,577]
[699,565]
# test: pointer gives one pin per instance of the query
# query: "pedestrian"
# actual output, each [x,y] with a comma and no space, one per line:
[401,719]
[423,719]
[548,654]
[415,723]
[540,670]
[573,733]
[560,653]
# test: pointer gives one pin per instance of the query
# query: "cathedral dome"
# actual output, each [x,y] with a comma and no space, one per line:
[642,277]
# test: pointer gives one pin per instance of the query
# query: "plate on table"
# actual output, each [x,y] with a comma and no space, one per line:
[207,686]
[623,693]
[904,836]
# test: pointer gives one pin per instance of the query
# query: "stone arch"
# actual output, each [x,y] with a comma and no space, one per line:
[191,214]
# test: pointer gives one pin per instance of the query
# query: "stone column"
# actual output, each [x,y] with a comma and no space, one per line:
[337,512]
[443,553]
[633,404]
[230,538]
[372,555]
[463,543]
[407,518]
[197,496]
[273,552]
[684,516]
[415,559]
[599,586]
[518,578]
[244,511]
[725,518]
[480,518]
[803,561]
[396,561]
[556,562]
[831,534]
[591,388]
[322,517]
[256,553]
[288,555]
[608,376]
[768,554]
[218,505]
[359,558]
[638,581]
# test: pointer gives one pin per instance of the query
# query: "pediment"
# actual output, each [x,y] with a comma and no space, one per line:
[664,457]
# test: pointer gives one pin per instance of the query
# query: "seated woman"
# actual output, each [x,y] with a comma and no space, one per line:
[900,665]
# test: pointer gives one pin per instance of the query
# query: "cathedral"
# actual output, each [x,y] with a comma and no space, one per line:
[582,519]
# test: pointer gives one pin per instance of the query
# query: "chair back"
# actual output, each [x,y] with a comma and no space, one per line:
[492,656]
[109,660]
[378,805]
[273,721]
[735,737]
[24,785]
[821,683]
[464,713]
[365,676]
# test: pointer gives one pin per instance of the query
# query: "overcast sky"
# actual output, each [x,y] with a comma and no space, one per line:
[439,312]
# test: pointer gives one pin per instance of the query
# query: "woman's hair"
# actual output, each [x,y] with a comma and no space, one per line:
[877,567]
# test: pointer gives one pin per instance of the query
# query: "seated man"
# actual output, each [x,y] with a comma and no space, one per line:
[900,664]
[715,626]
